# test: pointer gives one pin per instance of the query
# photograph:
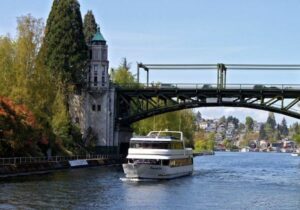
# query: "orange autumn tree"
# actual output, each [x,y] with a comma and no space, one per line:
[19,132]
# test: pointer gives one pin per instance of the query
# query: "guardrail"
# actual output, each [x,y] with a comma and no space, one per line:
[22,160]
[202,86]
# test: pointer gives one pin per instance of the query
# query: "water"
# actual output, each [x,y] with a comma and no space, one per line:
[223,181]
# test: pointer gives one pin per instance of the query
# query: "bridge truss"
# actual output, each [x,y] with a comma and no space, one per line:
[139,101]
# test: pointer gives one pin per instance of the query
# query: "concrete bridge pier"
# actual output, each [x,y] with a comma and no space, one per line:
[122,135]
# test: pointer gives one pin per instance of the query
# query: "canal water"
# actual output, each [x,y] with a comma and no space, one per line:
[223,181]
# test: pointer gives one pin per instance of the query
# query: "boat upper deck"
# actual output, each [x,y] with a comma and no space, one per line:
[160,136]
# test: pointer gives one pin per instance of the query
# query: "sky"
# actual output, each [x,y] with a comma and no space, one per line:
[191,31]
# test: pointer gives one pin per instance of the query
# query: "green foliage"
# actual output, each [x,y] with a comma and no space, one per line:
[89,26]
[26,80]
[122,75]
[222,120]
[296,138]
[64,50]
[249,123]
[283,129]
[262,132]
[7,54]
[233,120]
[60,119]
[271,122]
[204,142]
[248,137]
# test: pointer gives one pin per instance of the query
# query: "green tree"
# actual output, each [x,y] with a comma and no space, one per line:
[64,49]
[222,120]
[283,128]
[204,142]
[7,75]
[249,124]
[28,42]
[296,138]
[122,75]
[262,132]
[89,26]
[233,120]
[271,121]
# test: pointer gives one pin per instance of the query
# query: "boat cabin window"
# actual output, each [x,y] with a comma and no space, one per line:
[165,162]
[145,161]
[181,162]
[156,145]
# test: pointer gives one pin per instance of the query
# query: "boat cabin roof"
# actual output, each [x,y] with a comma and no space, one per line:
[160,136]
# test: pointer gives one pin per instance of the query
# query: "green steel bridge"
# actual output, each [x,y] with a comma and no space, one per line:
[139,101]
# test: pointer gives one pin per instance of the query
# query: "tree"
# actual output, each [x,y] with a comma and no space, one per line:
[27,45]
[204,142]
[233,120]
[271,120]
[262,132]
[122,75]
[64,49]
[249,124]
[89,26]
[222,120]
[283,128]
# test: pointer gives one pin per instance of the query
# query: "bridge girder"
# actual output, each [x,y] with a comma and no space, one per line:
[137,104]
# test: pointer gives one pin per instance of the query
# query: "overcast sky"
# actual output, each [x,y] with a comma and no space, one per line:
[191,31]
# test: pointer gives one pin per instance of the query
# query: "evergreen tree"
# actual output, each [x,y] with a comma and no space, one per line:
[262,132]
[283,128]
[64,49]
[89,26]
[222,120]
[271,120]
[249,123]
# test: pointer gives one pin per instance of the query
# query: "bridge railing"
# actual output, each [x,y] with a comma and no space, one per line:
[203,86]
[24,160]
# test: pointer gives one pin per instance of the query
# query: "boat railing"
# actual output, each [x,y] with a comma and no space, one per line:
[158,134]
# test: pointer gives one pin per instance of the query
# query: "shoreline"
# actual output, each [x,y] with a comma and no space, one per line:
[28,169]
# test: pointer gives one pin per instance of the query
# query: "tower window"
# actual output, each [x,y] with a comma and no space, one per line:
[104,54]
[94,107]
[95,81]
[96,54]
[99,108]
[91,54]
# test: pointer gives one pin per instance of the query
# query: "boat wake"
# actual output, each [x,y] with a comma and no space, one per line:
[124,179]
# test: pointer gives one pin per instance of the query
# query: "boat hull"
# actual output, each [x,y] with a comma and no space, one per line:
[146,171]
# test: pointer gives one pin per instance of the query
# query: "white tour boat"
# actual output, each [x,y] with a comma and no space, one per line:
[159,155]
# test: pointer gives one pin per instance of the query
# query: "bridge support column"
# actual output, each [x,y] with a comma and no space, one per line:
[122,135]
[221,80]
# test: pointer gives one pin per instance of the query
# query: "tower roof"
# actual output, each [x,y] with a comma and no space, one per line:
[98,37]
